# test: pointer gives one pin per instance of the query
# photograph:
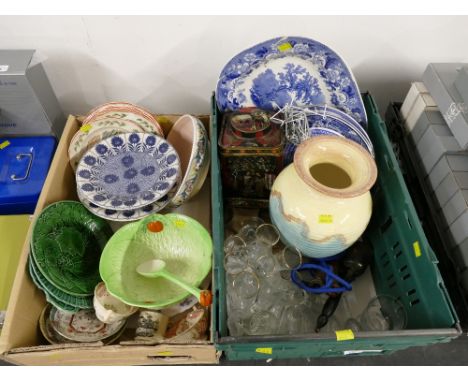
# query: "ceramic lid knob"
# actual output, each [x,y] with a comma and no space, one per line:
[155,227]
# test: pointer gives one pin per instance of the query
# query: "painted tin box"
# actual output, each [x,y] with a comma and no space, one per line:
[251,155]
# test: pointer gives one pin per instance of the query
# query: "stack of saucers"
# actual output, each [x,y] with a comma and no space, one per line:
[128,176]
[108,120]
[66,245]
[126,169]
[58,326]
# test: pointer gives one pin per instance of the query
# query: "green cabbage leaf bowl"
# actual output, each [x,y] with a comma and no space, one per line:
[183,243]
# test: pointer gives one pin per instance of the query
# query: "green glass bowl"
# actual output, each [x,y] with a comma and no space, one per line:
[183,243]
[66,244]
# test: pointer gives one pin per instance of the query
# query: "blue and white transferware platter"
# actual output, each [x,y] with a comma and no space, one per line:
[330,121]
[131,214]
[128,171]
[289,70]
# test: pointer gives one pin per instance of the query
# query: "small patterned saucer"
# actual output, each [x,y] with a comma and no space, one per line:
[82,326]
[128,171]
[127,111]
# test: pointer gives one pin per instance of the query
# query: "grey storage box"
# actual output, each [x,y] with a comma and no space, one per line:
[452,183]
[448,163]
[430,116]
[459,230]
[456,206]
[460,256]
[464,280]
[461,83]
[440,81]
[415,90]
[435,142]
[423,101]
[28,105]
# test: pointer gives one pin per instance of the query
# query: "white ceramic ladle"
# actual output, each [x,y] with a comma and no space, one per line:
[156,268]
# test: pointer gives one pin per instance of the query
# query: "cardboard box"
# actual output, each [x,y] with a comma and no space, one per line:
[19,342]
[28,105]
[440,80]
[13,230]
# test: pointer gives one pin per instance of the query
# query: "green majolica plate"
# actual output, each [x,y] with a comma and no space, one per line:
[182,242]
[50,299]
[66,245]
[54,295]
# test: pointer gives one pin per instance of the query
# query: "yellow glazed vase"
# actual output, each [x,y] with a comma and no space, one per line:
[321,202]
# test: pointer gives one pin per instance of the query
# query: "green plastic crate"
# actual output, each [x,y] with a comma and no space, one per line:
[404,266]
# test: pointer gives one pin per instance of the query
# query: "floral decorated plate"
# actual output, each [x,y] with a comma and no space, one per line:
[127,111]
[82,326]
[128,171]
[53,337]
[130,214]
[289,70]
[66,244]
[95,132]
[190,139]
[55,296]
[48,331]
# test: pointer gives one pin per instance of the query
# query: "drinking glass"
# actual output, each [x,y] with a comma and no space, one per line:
[289,258]
[262,323]
[267,234]
[235,263]
[294,320]
[233,243]
[266,297]
[248,232]
[237,326]
[255,250]
[383,313]
[264,266]
[245,284]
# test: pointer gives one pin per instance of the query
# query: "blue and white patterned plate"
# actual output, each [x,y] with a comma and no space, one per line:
[289,70]
[331,121]
[128,171]
[131,214]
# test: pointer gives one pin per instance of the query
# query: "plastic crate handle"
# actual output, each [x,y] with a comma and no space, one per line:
[28,169]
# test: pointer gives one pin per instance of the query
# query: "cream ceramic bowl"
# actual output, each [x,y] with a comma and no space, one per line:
[108,308]
[190,139]
[321,203]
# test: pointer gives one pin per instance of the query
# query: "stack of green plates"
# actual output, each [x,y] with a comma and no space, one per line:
[66,246]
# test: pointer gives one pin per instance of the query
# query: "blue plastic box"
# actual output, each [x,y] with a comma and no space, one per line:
[24,164]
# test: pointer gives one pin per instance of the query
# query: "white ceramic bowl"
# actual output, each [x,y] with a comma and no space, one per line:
[109,309]
[189,138]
